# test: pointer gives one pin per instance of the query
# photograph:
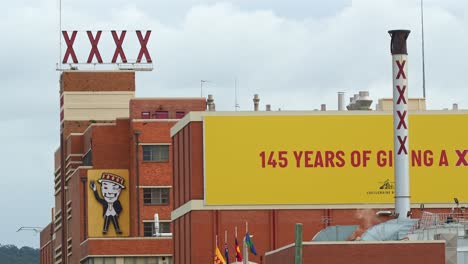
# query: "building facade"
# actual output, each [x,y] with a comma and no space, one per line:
[263,172]
[113,172]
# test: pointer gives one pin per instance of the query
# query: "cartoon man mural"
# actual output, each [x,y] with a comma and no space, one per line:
[111,186]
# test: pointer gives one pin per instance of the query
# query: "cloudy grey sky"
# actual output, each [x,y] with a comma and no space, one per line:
[296,54]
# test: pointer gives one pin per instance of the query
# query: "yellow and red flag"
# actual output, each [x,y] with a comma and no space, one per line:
[238,252]
[218,259]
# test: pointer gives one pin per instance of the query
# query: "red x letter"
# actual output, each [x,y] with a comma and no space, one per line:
[401,123]
[94,48]
[461,157]
[400,69]
[143,49]
[401,94]
[69,51]
[402,145]
[118,43]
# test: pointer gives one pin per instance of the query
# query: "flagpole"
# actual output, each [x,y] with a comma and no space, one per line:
[235,233]
[245,252]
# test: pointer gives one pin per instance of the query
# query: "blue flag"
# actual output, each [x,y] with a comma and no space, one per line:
[226,252]
[250,244]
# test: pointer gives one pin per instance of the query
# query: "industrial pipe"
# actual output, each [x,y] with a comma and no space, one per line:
[400,122]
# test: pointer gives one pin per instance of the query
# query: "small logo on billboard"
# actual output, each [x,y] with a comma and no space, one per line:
[386,187]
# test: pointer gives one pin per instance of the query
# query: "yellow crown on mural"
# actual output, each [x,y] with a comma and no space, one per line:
[113,178]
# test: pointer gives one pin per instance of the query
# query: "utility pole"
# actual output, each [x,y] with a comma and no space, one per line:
[422,44]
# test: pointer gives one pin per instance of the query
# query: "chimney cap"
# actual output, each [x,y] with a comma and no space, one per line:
[398,42]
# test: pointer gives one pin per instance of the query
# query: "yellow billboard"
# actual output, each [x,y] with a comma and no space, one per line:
[108,203]
[331,159]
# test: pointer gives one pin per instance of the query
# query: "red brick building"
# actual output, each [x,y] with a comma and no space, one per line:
[103,127]
[196,223]
[159,143]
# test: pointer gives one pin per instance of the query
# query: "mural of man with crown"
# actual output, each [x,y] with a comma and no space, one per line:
[111,186]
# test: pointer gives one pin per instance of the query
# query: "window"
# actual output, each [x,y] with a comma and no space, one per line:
[156,152]
[97,260]
[161,115]
[88,159]
[148,228]
[145,115]
[179,114]
[147,260]
[156,196]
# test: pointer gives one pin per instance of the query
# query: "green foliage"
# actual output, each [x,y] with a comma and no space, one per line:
[10,254]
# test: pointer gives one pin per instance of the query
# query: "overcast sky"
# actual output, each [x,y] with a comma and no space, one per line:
[295,54]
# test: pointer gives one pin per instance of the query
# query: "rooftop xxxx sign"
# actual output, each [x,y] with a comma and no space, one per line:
[94,41]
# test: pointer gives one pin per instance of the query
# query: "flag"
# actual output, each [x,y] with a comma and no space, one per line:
[226,252]
[238,252]
[250,244]
[218,259]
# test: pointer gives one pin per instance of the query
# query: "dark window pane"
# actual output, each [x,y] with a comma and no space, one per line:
[179,115]
[148,229]
[164,227]
[88,159]
[162,115]
[147,196]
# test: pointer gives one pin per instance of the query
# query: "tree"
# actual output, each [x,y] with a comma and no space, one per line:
[12,255]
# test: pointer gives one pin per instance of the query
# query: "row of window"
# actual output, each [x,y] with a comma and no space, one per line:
[129,260]
[156,196]
[149,230]
[161,115]
[156,153]
[150,153]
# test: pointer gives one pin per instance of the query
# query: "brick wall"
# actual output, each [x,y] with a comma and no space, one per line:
[80,81]
[188,164]
[46,244]
[126,246]
[111,145]
[403,252]
[172,105]
[151,173]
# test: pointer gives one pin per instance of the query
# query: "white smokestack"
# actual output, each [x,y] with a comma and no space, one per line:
[323,107]
[256,101]
[455,107]
[341,101]
[400,122]
[210,103]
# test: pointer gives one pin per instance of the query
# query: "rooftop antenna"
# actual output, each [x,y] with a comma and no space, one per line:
[59,64]
[201,86]
[422,44]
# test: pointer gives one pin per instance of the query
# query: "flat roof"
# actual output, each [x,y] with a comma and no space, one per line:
[199,115]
